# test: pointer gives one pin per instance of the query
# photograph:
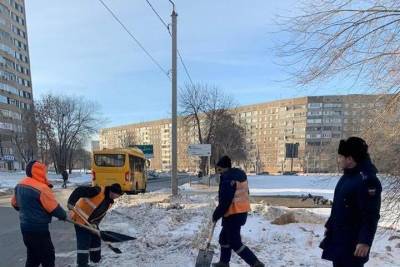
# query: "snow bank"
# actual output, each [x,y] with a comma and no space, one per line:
[170,232]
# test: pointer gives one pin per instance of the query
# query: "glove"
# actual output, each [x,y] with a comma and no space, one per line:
[70,206]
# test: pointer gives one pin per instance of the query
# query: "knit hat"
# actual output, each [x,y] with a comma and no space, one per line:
[116,188]
[224,162]
[354,147]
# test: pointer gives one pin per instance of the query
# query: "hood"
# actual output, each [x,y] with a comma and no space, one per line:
[37,171]
[234,174]
[367,168]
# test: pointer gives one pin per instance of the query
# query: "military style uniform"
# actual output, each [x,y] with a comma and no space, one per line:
[354,216]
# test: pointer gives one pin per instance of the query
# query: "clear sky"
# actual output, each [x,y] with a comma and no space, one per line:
[77,48]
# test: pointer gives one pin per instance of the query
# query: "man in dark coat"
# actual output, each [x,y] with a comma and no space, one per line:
[233,206]
[64,175]
[352,225]
[36,203]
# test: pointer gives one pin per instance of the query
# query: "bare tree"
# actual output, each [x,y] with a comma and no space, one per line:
[63,123]
[228,139]
[24,139]
[202,107]
[359,42]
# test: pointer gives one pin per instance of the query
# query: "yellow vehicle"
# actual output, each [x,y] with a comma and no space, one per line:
[124,166]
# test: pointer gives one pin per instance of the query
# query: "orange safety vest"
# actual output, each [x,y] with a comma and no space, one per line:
[85,207]
[241,201]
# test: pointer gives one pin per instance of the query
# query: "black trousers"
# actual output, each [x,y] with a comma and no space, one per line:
[40,249]
[88,245]
[230,239]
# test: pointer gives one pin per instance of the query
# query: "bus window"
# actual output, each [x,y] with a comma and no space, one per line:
[109,160]
[138,164]
[132,163]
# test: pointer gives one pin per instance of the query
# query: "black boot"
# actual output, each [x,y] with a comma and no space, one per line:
[247,255]
[258,264]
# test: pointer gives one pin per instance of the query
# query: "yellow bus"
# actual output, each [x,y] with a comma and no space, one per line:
[124,166]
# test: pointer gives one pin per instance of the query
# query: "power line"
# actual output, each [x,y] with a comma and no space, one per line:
[136,40]
[167,27]
[158,15]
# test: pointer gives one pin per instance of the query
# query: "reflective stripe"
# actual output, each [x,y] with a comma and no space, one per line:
[95,249]
[90,203]
[81,212]
[240,249]
[225,246]
[81,251]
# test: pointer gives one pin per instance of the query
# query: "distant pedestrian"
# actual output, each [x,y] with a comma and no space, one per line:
[352,225]
[64,175]
[88,206]
[233,206]
[36,203]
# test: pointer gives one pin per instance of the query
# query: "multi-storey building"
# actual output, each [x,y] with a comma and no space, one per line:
[15,80]
[315,124]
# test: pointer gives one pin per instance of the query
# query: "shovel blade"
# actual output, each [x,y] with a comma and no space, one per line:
[113,237]
[204,258]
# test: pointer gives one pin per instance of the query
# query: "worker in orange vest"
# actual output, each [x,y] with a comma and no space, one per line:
[233,206]
[88,206]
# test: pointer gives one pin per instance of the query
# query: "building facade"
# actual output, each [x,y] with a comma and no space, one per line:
[314,124]
[15,80]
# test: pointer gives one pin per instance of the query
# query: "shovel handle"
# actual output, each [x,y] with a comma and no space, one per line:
[93,230]
[210,235]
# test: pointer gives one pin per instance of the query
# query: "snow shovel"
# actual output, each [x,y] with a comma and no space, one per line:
[205,255]
[107,236]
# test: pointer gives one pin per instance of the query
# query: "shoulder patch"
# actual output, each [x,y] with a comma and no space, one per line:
[372,191]
[364,176]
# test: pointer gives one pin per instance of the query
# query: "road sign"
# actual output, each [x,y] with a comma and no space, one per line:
[147,150]
[7,158]
[292,150]
[201,150]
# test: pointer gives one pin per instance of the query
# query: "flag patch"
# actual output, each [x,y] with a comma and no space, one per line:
[372,191]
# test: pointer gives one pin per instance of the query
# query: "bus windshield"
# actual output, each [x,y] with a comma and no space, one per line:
[109,160]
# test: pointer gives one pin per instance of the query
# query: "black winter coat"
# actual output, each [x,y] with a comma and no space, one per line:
[354,215]
[226,193]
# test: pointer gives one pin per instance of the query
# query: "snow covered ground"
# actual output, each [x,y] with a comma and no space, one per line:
[10,179]
[293,185]
[170,232]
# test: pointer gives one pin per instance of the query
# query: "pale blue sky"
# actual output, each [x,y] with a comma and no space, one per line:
[77,48]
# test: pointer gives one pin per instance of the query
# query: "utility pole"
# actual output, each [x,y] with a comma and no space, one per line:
[174,178]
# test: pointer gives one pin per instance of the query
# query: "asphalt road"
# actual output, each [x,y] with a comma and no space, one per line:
[12,249]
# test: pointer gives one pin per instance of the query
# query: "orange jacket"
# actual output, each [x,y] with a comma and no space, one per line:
[85,207]
[241,201]
[35,200]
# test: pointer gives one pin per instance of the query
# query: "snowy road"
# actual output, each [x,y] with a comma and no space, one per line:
[12,252]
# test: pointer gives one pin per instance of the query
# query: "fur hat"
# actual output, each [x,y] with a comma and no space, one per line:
[354,147]
[224,162]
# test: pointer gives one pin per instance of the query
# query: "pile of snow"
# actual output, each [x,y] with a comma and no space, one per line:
[171,231]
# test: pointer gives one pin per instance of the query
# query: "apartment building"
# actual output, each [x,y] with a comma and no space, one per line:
[15,80]
[315,124]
